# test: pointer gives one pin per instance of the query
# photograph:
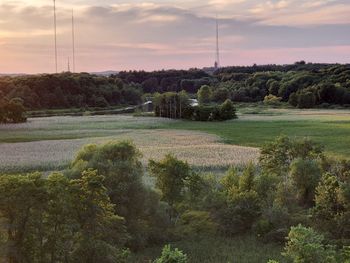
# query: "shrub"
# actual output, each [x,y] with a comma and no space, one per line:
[240,213]
[227,111]
[305,175]
[272,100]
[306,245]
[193,223]
[306,99]
[171,256]
[171,175]
[204,94]
[12,111]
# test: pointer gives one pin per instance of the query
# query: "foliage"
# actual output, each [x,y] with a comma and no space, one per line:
[241,207]
[11,111]
[331,213]
[171,176]
[277,156]
[305,175]
[303,85]
[306,245]
[272,100]
[192,224]
[57,219]
[204,94]
[120,163]
[67,90]
[171,256]
[171,105]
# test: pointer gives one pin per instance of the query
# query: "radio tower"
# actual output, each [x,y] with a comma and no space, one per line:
[217,57]
[73,40]
[55,31]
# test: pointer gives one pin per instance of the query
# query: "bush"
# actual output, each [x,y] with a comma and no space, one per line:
[240,213]
[306,99]
[305,175]
[272,100]
[204,94]
[194,223]
[12,111]
[227,111]
[171,256]
[306,245]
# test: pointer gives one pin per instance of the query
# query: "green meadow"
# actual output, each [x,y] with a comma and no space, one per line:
[254,127]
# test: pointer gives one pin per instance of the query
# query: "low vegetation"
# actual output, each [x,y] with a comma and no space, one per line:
[11,111]
[294,192]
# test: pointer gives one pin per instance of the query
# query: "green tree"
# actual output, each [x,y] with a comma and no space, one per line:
[305,245]
[21,197]
[293,99]
[277,156]
[306,99]
[331,214]
[204,94]
[119,163]
[171,256]
[246,180]
[60,221]
[102,233]
[227,110]
[171,176]
[305,174]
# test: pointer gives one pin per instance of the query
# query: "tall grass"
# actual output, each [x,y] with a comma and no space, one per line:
[218,249]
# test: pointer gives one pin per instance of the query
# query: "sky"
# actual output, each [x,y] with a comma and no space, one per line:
[178,34]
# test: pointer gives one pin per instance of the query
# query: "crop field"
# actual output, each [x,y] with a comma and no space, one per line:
[48,144]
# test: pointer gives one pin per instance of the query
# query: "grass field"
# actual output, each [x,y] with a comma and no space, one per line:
[50,143]
[199,149]
[331,128]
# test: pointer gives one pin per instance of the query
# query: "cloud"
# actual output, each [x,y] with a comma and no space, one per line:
[153,35]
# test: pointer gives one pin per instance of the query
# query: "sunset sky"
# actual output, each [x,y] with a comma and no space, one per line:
[149,35]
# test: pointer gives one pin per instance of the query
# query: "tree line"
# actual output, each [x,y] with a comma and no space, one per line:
[68,90]
[303,85]
[99,210]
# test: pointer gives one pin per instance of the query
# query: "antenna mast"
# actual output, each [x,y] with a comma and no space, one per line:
[73,40]
[55,29]
[217,58]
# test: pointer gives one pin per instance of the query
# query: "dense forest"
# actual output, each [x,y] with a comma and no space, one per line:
[302,85]
[100,210]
